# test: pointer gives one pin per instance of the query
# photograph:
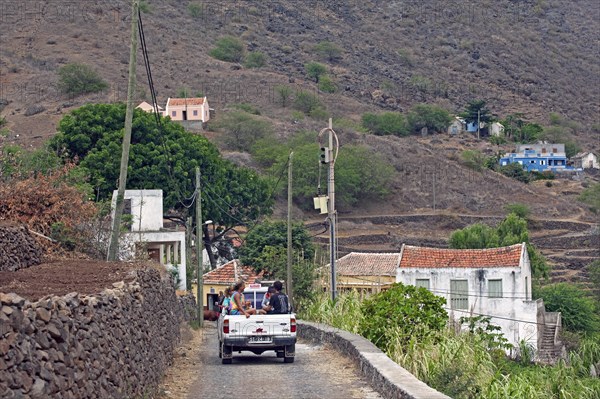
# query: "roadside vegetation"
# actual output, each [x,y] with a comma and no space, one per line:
[470,364]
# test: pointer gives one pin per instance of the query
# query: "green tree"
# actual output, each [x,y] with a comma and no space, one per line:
[403,312]
[530,133]
[241,130]
[434,118]
[578,310]
[265,249]
[385,123]
[255,59]
[196,10]
[229,49]
[512,230]
[164,159]
[75,79]
[314,70]
[328,51]
[477,110]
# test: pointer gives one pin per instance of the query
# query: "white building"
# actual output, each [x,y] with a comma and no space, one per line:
[147,233]
[188,109]
[144,106]
[586,160]
[493,282]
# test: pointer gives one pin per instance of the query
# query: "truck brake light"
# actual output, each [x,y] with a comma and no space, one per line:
[293,325]
[225,326]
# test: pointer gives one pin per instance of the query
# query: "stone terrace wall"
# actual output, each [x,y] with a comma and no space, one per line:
[18,248]
[116,344]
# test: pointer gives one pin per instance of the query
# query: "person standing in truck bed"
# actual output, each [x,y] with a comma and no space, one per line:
[279,302]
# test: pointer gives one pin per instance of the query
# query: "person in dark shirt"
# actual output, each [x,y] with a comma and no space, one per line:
[279,302]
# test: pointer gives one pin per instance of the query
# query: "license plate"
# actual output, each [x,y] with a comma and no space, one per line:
[259,339]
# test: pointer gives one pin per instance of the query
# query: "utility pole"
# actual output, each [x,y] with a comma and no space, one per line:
[478,123]
[114,234]
[199,282]
[289,229]
[188,245]
[433,189]
[328,157]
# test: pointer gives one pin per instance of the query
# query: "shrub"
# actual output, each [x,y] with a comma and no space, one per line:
[76,79]
[327,85]
[255,59]
[229,49]
[328,51]
[515,171]
[283,93]
[242,130]
[408,311]
[314,70]
[578,310]
[521,210]
[385,123]
[249,108]
[195,10]
[307,102]
[434,118]
[473,159]
[591,197]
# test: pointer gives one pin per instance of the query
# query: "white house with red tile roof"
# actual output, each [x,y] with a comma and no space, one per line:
[188,109]
[493,282]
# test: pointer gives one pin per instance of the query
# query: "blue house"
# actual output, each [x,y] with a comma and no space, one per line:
[538,157]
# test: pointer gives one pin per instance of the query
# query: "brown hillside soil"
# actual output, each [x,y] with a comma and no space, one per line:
[63,277]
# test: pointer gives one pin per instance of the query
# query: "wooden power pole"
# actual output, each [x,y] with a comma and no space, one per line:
[289,229]
[114,233]
[199,250]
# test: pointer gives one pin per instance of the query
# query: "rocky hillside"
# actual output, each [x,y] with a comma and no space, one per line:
[534,57]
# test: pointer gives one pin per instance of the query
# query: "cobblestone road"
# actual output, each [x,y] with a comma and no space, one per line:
[318,372]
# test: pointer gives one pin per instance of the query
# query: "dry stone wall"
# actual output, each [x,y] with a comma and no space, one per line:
[18,248]
[116,344]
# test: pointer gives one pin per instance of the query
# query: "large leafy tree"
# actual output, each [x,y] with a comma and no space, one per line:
[265,249]
[477,110]
[162,158]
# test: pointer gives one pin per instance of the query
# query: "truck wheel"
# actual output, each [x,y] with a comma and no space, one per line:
[226,354]
[289,353]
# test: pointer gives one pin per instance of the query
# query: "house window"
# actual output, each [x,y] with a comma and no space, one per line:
[554,150]
[195,112]
[495,288]
[422,282]
[174,113]
[543,150]
[542,162]
[458,294]
[532,161]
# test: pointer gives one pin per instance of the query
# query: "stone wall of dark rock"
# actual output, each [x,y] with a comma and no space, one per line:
[116,344]
[18,248]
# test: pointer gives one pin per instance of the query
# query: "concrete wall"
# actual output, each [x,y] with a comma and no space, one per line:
[116,344]
[146,209]
[385,376]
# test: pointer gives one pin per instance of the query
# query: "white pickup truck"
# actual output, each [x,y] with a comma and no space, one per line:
[257,334]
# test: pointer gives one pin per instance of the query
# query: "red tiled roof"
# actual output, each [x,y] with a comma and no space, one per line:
[368,264]
[226,274]
[440,257]
[173,102]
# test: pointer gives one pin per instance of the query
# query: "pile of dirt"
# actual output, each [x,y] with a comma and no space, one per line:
[18,248]
[62,277]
